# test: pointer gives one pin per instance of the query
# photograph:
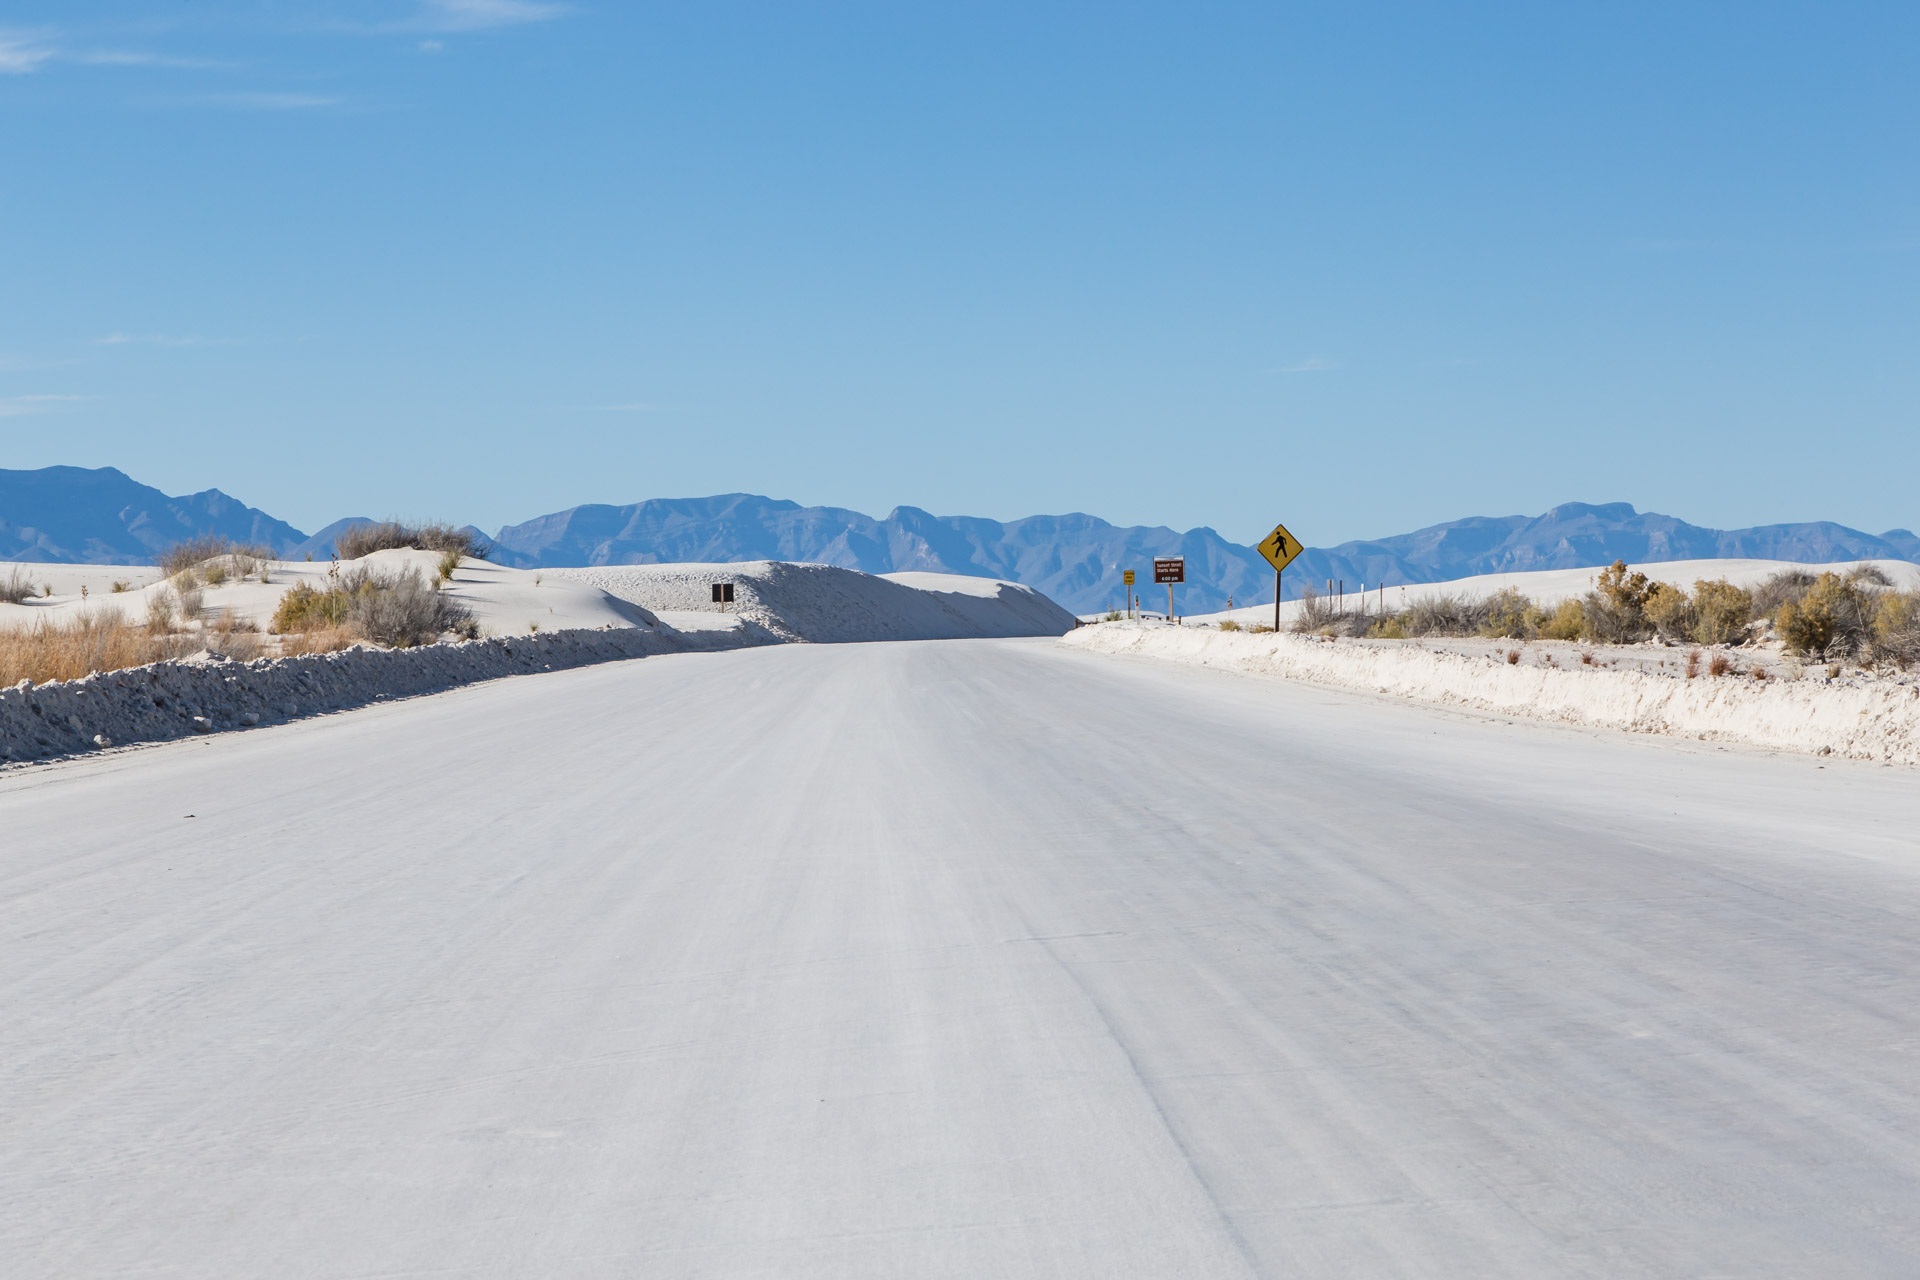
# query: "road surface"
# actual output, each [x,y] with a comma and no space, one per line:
[955,959]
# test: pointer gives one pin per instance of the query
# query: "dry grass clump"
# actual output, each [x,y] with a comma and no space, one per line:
[98,641]
[1228,624]
[15,587]
[388,535]
[395,609]
[319,640]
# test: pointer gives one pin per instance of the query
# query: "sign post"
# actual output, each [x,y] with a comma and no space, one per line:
[1279,548]
[1170,571]
[1126,577]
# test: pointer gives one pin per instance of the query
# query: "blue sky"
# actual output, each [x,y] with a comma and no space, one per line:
[1364,267]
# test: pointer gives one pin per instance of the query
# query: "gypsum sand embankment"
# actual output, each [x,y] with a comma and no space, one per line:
[207,693]
[1877,721]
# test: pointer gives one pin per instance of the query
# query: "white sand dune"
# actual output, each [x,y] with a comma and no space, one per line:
[775,601]
[823,604]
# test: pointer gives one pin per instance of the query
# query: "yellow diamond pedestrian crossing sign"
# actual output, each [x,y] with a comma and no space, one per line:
[1280,547]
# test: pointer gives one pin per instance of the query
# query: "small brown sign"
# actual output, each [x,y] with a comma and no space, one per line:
[723,593]
[1174,570]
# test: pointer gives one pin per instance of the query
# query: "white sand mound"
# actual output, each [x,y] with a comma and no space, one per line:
[1877,720]
[1550,586]
[503,601]
[820,603]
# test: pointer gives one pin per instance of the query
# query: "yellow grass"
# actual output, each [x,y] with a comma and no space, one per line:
[98,641]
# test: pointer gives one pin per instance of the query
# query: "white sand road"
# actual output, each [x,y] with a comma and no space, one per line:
[970,958]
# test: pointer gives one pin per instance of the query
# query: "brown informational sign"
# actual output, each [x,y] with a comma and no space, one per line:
[723,593]
[1170,570]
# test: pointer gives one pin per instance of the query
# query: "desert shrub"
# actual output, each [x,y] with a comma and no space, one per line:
[1721,610]
[192,603]
[396,609]
[1869,575]
[1388,629]
[1315,612]
[1613,620]
[1228,624]
[1834,616]
[1625,590]
[387,535]
[1616,610]
[15,587]
[1511,614]
[402,609]
[162,611]
[1782,588]
[1567,622]
[187,557]
[121,586]
[1669,612]
[306,607]
[214,572]
[1896,629]
[449,565]
[1445,615]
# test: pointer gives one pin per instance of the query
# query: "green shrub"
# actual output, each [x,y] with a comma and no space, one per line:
[1896,629]
[1388,629]
[1721,610]
[1568,621]
[398,609]
[1669,612]
[1510,614]
[1836,616]
[306,607]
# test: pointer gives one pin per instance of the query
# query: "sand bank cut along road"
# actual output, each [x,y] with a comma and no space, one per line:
[981,958]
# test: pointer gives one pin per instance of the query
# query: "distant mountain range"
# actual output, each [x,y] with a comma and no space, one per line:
[73,515]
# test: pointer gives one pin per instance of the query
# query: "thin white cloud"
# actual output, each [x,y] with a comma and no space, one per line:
[135,58]
[118,339]
[431,46]
[20,406]
[1312,364]
[479,15]
[20,54]
[272,101]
